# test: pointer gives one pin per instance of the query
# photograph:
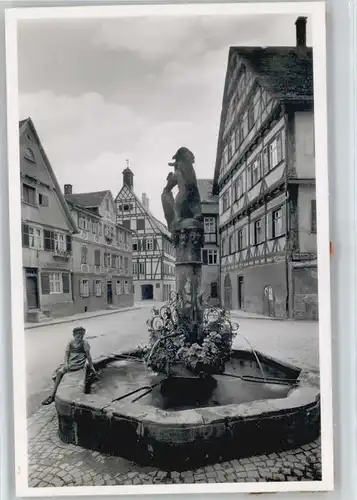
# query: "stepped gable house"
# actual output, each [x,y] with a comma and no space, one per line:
[210,251]
[47,228]
[153,252]
[102,253]
[265,178]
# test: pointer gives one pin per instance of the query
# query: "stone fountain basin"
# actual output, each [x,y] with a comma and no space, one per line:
[233,419]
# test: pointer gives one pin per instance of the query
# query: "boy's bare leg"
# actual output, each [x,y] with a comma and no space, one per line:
[50,399]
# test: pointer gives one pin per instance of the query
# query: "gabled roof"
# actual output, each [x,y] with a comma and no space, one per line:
[285,72]
[160,226]
[205,188]
[23,124]
[88,200]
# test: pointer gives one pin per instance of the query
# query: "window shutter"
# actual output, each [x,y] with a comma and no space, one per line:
[284,221]
[155,244]
[89,288]
[139,245]
[65,281]
[47,239]
[97,257]
[69,243]
[252,234]
[94,288]
[269,225]
[25,235]
[80,288]
[45,283]
[144,244]
[204,257]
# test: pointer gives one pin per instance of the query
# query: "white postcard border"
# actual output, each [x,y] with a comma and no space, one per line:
[316,13]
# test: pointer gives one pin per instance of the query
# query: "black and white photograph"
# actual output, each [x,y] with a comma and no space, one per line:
[170,249]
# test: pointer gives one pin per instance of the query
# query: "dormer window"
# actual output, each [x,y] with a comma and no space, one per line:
[29,155]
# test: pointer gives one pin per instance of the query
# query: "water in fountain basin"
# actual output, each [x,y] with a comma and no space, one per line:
[121,378]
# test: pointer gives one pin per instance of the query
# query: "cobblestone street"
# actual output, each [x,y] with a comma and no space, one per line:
[53,463]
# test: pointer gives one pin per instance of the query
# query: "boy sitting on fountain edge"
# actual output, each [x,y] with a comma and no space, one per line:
[77,357]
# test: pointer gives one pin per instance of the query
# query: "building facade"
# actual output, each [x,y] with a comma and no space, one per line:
[265,178]
[153,253]
[47,229]
[210,251]
[102,253]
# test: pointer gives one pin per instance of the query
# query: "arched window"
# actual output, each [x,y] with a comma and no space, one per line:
[29,155]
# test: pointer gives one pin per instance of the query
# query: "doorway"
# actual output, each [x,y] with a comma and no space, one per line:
[240,288]
[147,292]
[227,292]
[32,290]
[109,292]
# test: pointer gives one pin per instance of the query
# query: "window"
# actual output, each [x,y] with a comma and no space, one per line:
[140,224]
[135,268]
[278,223]
[141,267]
[43,200]
[98,288]
[95,227]
[149,244]
[29,155]
[118,287]
[249,177]
[56,284]
[245,124]
[256,170]
[238,188]
[84,255]
[126,287]
[276,151]
[226,200]
[225,156]
[126,265]
[29,194]
[126,223]
[231,147]
[135,246]
[48,240]
[121,263]
[209,256]
[97,257]
[84,288]
[107,205]
[210,224]
[107,260]
[258,232]
[214,290]
[231,244]
[82,221]
[250,117]
[65,283]
[31,236]
[313,217]
[265,160]
[60,242]
[240,240]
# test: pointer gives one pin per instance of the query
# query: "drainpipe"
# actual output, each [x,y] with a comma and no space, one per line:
[287,212]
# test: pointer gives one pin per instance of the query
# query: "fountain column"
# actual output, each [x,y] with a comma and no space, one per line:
[188,239]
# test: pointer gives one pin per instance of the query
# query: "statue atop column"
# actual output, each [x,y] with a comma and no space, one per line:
[187,204]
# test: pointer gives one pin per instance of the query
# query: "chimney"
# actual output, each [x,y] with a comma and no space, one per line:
[128,176]
[301,32]
[68,189]
[145,201]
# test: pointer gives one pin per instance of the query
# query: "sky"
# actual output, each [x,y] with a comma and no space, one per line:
[104,91]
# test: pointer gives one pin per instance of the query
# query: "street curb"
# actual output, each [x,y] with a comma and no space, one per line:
[72,320]
[264,318]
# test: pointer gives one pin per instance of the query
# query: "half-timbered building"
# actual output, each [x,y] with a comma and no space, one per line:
[47,228]
[265,177]
[210,250]
[102,253]
[153,252]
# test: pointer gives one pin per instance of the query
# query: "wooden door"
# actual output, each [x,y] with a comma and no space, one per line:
[31,292]
[227,292]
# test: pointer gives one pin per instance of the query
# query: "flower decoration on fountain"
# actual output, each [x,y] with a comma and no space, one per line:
[170,346]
